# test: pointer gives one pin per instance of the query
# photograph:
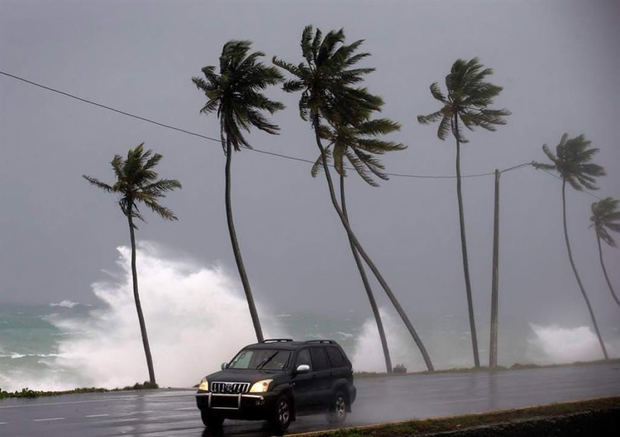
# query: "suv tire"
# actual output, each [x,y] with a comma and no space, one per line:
[212,422]
[337,409]
[282,414]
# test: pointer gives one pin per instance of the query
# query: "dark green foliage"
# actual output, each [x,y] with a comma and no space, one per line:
[235,93]
[606,217]
[572,161]
[358,144]
[467,99]
[327,79]
[136,182]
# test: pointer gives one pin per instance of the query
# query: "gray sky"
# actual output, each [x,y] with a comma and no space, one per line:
[557,61]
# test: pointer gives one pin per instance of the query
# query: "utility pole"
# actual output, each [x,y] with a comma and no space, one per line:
[495,278]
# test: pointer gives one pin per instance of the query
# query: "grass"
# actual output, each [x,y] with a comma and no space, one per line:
[28,393]
[454,423]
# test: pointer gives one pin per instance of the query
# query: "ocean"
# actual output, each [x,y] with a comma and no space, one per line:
[197,318]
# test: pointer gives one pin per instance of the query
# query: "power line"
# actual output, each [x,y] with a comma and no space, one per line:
[199,135]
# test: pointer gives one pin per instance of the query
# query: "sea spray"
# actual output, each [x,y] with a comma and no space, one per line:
[555,344]
[196,318]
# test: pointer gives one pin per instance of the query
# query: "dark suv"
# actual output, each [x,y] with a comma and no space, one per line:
[276,380]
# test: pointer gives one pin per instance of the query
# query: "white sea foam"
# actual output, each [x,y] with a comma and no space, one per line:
[555,344]
[196,318]
[65,304]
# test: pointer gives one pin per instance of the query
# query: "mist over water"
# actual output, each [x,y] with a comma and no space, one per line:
[197,317]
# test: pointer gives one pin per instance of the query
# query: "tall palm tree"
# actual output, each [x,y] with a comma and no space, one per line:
[572,161]
[358,144]
[467,100]
[327,79]
[606,217]
[236,96]
[137,182]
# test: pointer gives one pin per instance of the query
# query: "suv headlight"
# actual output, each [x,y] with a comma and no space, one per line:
[261,386]
[204,385]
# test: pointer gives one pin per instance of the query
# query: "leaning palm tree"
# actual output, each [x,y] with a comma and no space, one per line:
[235,95]
[467,100]
[137,182]
[357,145]
[327,79]
[606,217]
[572,161]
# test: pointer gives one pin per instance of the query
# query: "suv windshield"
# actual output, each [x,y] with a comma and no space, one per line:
[268,359]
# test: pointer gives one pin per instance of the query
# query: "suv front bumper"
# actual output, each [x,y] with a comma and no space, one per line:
[237,406]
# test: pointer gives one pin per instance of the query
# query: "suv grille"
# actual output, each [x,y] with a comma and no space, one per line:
[230,387]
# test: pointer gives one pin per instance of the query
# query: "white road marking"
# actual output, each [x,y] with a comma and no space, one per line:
[3,423]
[127,420]
[185,408]
[97,415]
[51,404]
[48,419]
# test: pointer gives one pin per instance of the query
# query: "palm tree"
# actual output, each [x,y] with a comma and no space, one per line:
[327,81]
[572,161]
[137,182]
[235,93]
[468,97]
[606,217]
[358,145]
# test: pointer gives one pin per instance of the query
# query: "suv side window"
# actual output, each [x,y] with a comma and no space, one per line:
[335,357]
[303,357]
[319,358]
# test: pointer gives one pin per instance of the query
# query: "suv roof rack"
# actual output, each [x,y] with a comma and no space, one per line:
[276,340]
[321,341]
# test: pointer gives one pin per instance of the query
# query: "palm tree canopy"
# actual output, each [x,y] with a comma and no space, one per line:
[606,217]
[137,182]
[572,161]
[235,93]
[327,78]
[468,97]
[359,145]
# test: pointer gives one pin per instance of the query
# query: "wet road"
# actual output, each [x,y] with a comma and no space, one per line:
[381,399]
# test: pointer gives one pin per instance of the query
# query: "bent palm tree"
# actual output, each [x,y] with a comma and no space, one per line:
[235,93]
[357,145]
[572,161]
[137,182]
[606,217]
[327,80]
[468,97]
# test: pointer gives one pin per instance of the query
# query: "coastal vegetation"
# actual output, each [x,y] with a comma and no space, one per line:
[467,100]
[351,137]
[572,160]
[137,183]
[235,95]
[330,92]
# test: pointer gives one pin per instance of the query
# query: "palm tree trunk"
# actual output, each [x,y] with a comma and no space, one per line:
[371,297]
[459,195]
[136,296]
[362,252]
[237,251]
[572,263]
[600,253]
[495,278]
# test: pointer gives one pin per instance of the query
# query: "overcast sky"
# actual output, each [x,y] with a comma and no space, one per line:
[558,62]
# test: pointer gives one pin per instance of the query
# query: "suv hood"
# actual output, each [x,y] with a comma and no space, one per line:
[243,375]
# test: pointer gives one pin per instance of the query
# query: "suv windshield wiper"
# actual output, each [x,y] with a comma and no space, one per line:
[266,360]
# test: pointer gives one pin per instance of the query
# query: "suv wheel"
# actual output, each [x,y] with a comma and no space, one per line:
[211,421]
[282,414]
[338,409]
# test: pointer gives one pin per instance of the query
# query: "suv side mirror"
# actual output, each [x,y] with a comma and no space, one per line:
[224,366]
[302,368]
